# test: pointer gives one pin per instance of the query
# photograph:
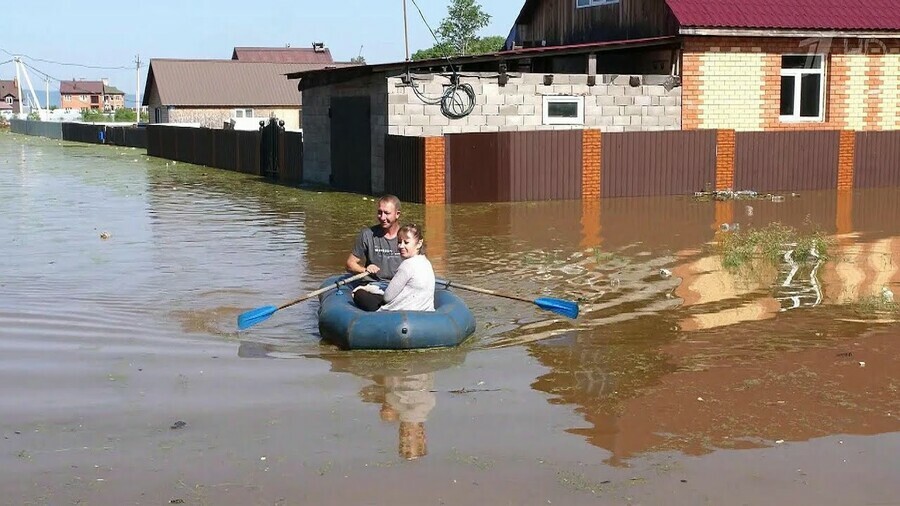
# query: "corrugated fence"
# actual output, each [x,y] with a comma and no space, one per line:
[235,150]
[404,167]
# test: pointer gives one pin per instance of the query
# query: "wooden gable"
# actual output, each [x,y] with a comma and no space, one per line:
[562,22]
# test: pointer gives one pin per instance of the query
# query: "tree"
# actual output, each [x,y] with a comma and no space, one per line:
[458,33]
[124,115]
[91,115]
[359,60]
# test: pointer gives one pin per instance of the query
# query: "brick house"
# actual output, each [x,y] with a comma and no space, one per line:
[94,95]
[753,64]
[9,97]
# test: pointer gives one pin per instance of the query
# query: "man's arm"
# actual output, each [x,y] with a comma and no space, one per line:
[355,265]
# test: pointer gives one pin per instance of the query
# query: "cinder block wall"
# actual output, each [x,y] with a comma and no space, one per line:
[735,83]
[317,127]
[611,105]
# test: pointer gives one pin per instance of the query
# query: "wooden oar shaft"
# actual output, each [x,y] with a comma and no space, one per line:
[324,289]
[449,283]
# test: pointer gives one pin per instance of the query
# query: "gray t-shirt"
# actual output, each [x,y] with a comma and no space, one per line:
[373,248]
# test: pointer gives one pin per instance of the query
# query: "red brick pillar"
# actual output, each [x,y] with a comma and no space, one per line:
[724,159]
[846,153]
[590,164]
[435,170]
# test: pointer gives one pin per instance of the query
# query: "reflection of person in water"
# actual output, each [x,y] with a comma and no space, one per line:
[409,399]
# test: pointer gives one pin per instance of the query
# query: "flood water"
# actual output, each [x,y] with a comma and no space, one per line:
[124,381]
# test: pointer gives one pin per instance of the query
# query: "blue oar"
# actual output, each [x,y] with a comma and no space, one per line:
[567,308]
[260,314]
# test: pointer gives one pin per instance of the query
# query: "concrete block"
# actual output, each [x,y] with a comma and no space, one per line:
[667,121]
[532,120]
[509,128]
[598,89]
[561,79]
[415,108]
[475,120]
[632,128]
[633,110]
[413,130]
[605,100]
[650,120]
[673,111]
[393,130]
[669,101]
[655,110]
[514,120]
[439,120]
[642,100]
[656,91]
[624,100]
[419,120]
[496,120]
[515,100]
[490,110]
[453,129]
[612,110]
[401,121]
[616,91]
[509,110]
[622,120]
[509,89]
[494,100]
[527,89]
[636,120]
[396,98]
[526,110]
[562,89]
[532,78]
[654,79]
[613,128]
[432,130]
[489,128]
[633,92]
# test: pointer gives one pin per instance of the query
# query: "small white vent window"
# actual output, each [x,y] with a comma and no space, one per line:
[563,110]
[581,4]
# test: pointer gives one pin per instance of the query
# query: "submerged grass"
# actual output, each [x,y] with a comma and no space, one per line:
[876,305]
[767,245]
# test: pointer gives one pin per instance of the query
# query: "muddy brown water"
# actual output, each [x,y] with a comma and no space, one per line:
[122,276]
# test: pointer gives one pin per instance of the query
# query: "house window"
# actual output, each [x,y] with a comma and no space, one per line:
[802,87]
[581,4]
[563,110]
[9,100]
[243,113]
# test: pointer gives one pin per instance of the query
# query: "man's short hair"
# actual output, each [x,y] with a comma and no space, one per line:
[392,199]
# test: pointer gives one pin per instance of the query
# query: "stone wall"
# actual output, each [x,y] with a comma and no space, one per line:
[616,103]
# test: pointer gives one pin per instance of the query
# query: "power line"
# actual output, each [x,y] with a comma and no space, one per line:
[81,65]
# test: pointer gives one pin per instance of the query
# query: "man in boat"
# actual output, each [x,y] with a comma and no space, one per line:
[375,250]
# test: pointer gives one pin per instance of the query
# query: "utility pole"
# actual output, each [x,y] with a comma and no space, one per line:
[405,32]
[137,88]
[47,96]
[18,84]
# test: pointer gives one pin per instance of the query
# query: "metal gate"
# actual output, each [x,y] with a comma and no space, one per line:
[351,144]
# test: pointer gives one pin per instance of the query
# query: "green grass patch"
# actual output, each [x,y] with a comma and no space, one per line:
[742,249]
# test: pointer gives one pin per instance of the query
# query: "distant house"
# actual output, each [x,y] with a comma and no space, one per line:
[94,95]
[215,92]
[316,55]
[9,97]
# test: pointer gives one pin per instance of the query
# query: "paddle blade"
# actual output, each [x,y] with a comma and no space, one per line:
[566,308]
[254,316]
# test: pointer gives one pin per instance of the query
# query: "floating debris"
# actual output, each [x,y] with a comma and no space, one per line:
[739,195]
[105,235]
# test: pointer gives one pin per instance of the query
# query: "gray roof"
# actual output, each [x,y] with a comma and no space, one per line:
[224,83]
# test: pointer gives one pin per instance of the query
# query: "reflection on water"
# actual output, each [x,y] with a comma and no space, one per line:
[191,247]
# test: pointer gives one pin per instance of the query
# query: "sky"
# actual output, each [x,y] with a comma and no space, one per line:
[49,32]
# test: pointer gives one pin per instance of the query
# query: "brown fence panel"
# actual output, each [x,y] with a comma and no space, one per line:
[544,165]
[291,157]
[772,161]
[404,167]
[637,164]
[248,156]
[475,172]
[877,160]
[204,142]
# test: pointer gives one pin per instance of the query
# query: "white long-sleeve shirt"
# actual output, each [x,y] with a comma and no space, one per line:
[412,287]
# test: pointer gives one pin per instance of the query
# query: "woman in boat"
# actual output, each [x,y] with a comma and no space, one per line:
[412,287]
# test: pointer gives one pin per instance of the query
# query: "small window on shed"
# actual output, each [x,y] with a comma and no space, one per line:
[563,110]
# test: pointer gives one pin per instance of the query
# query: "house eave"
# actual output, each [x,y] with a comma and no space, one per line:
[772,32]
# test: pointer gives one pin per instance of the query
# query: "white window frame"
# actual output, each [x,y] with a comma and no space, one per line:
[797,75]
[9,100]
[243,113]
[585,4]
[568,99]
